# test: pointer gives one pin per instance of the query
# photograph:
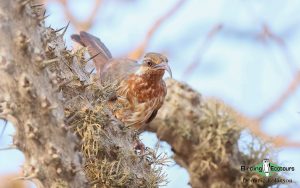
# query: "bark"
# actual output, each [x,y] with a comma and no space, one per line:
[28,99]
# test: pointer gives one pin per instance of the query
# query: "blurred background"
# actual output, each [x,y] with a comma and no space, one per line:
[245,53]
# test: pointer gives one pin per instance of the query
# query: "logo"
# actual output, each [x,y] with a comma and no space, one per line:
[266,169]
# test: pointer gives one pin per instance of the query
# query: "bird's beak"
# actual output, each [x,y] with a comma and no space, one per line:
[164,66]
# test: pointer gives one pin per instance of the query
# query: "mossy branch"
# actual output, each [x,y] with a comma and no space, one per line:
[204,136]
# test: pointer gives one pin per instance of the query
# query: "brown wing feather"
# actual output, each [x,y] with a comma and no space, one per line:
[153,115]
[118,69]
[96,49]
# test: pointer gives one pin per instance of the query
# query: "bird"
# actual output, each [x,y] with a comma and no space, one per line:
[141,89]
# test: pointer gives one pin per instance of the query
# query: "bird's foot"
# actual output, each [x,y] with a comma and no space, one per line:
[139,147]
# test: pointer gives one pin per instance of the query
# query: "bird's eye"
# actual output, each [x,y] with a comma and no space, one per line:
[150,63]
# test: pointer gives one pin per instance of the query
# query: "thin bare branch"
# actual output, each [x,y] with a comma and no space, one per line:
[80,25]
[266,32]
[254,126]
[203,47]
[8,148]
[139,51]
[4,127]
[292,87]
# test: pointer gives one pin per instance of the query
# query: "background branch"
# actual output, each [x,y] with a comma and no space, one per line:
[140,49]
[277,104]
[190,68]
[79,25]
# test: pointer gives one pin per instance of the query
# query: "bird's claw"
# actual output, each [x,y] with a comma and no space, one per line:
[139,147]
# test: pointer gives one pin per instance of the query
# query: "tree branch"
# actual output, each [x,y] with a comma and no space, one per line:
[292,87]
[203,47]
[85,24]
[204,135]
[140,50]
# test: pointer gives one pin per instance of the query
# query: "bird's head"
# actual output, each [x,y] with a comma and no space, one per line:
[154,65]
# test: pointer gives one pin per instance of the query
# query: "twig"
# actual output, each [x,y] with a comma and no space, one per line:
[139,51]
[268,33]
[3,129]
[8,148]
[203,47]
[254,126]
[80,25]
[282,98]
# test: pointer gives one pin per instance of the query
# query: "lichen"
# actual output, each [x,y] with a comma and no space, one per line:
[204,134]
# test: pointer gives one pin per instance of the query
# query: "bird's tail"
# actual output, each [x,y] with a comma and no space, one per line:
[77,39]
[97,50]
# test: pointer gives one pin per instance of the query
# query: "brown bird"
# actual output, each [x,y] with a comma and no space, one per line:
[141,88]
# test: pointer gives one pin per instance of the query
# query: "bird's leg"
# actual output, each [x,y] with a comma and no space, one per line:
[112,97]
[139,147]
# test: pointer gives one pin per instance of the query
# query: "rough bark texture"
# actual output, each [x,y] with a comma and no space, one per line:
[28,100]
[69,137]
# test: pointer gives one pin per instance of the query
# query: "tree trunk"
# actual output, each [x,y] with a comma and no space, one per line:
[28,99]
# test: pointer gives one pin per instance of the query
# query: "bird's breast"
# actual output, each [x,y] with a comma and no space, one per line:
[139,97]
[142,89]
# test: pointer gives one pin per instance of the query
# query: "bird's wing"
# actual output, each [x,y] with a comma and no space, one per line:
[95,47]
[118,69]
[142,114]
